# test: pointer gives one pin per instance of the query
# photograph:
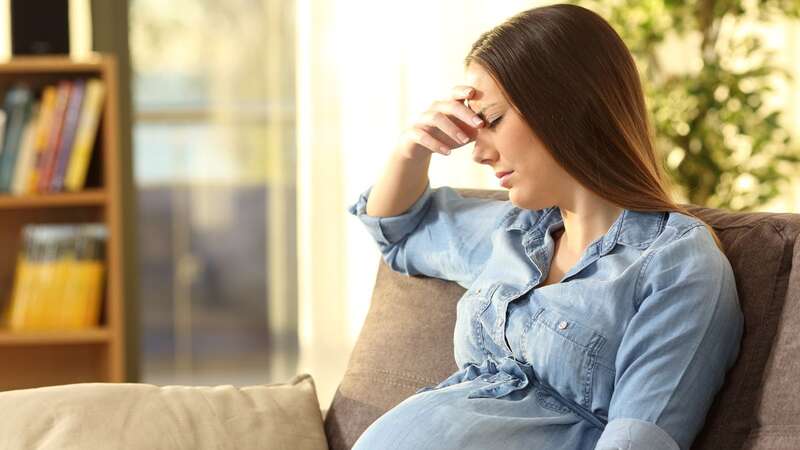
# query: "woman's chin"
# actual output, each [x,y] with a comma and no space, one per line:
[520,201]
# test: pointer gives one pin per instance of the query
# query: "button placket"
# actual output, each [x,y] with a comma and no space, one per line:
[506,299]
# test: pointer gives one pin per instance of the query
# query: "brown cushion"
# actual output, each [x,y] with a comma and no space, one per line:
[760,247]
[778,408]
[406,343]
[407,338]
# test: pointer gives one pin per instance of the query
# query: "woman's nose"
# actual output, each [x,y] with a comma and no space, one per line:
[482,154]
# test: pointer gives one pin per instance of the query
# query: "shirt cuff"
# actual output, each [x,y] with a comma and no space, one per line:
[634,434]
[389,230]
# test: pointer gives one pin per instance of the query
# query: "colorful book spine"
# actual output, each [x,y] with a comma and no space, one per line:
[71,120]
[17,105]
[50,156]
[86,135]
[27,153]
[43,133]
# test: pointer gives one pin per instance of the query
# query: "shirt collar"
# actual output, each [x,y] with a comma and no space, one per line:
[632,228]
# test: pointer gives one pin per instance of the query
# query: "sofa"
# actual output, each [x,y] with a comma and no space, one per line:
[407,343]
[407,340]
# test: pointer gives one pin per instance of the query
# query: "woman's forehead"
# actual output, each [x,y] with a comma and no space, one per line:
[486,93]
[479,78]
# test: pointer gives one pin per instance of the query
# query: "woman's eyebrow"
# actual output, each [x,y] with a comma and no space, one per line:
[486,107]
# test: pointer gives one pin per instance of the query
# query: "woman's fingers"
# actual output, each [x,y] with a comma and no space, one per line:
[426,140]
[460,109]
[440,129]
[462,113]
[441,121]
[462,92]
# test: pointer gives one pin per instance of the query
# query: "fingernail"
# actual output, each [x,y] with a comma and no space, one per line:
[462,137]
[477,120]
[467,91]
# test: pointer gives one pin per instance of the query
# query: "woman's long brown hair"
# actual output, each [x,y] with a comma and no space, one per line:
[575,83]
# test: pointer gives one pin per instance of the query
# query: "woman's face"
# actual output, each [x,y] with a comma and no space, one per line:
[506,143]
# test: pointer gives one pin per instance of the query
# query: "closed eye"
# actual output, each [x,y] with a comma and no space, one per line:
[490,124]
[493,124]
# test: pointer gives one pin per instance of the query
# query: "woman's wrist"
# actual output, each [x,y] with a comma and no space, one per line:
[413,151]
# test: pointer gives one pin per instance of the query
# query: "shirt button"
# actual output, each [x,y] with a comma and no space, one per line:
[478,291]
[563,324]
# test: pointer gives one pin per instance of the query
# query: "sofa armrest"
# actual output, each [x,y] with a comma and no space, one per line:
[137,415]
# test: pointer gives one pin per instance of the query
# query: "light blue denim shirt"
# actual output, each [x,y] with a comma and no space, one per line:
[635,341]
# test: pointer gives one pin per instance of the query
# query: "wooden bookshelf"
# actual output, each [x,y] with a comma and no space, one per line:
[41,358]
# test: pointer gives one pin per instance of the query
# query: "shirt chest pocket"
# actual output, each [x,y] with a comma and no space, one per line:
[562,352]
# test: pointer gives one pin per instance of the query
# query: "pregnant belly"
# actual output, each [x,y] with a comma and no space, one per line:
[446,418]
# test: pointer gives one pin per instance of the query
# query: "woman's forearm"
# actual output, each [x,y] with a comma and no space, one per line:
[402,183]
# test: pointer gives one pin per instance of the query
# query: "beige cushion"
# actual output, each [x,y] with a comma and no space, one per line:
[89,416]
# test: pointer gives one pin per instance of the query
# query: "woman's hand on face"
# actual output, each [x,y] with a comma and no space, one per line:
[445,125]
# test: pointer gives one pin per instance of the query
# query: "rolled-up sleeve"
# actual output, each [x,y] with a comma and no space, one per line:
[677,348]
[442,235]
[390,230]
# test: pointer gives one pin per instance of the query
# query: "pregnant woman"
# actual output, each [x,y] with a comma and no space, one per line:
[599,314]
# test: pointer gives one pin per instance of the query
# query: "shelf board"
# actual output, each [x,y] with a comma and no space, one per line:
[50,64]
[85,198]
[47,337]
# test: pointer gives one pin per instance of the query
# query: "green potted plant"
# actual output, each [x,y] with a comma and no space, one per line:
[722,143]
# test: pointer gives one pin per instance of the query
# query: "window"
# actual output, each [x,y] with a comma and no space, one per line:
[214,167]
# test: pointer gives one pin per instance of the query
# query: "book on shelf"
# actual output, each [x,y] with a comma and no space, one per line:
[85,135]
[3,117]
[44,128]
[47,161]
[17,105]
[26,152]
[48,135]
[71,117]
[59,278]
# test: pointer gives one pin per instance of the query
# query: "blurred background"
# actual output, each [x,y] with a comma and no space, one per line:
[253,124]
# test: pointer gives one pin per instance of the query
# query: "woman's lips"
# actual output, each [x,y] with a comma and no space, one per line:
[504,179]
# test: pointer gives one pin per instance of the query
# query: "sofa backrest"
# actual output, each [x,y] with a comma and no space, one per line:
[407,340]
[762,249]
